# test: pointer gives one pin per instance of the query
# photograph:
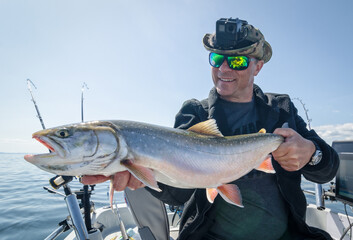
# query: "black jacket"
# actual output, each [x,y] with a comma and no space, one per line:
[273,111]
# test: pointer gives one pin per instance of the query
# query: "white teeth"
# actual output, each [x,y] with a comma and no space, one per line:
[227,80]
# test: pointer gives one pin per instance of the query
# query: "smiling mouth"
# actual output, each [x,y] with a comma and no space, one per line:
[227,80]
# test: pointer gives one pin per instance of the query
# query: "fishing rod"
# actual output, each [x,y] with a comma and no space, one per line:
[84,85]
[86,202]
[85,188]
[29,82]
[86,195]
[319,195]
[70,198]
[306,112]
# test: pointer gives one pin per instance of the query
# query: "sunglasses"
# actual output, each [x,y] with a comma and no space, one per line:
[234,62]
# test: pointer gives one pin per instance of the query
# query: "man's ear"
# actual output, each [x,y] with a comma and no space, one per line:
[258,67]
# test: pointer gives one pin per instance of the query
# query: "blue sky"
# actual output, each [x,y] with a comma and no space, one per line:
[142,59]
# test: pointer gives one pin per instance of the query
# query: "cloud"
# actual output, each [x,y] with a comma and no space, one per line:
[339,132]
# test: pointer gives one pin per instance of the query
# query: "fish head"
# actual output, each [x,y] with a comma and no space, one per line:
[76,148]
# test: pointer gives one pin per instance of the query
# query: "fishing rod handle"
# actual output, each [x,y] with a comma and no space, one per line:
[76,217]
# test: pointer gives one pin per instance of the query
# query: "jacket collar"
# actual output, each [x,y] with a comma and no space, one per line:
[268,111]
[267,107]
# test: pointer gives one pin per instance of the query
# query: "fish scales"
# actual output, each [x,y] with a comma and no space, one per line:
[196,158]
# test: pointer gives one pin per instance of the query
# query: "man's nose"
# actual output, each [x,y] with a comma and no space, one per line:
[225,67]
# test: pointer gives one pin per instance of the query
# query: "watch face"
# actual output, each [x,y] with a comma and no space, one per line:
[316,158]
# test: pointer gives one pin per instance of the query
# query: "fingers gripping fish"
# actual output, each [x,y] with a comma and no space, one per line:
[200,157]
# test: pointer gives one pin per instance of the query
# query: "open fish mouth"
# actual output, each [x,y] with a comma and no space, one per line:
[55,150]
[51,149]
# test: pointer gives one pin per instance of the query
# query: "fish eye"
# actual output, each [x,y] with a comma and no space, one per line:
[62,133]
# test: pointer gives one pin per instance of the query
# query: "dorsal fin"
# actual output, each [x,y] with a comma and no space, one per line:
[208,127]
[262,130]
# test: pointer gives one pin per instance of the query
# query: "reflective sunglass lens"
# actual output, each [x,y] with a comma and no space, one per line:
[238,62]
[234,62]
[216,60]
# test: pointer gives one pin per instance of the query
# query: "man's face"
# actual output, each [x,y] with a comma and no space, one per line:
[236,85]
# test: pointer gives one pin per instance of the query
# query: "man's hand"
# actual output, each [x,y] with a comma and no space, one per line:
[295,152]
[121,180]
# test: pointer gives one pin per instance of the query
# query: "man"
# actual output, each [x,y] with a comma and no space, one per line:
[274,205]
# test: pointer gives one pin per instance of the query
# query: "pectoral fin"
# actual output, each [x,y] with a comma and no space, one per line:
[211,194]
[231,194]
[266,165]
[143,174]
[111,191]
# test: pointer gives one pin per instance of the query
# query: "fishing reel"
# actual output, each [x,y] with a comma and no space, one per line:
[59,181]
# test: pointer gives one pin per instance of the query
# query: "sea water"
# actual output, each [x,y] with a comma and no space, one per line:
[27,211]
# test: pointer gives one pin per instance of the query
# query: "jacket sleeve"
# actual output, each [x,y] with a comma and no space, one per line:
[191,113]
[327,168]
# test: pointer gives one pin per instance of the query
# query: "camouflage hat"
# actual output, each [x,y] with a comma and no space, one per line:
[253,44]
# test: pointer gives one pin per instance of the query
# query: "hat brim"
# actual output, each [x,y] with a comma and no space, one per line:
[261,50]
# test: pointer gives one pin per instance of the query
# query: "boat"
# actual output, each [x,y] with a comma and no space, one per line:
[141,217]
[106,223]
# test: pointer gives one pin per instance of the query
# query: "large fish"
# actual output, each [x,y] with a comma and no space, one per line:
[200,157]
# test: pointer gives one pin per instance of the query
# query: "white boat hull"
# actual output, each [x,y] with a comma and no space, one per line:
[333,223]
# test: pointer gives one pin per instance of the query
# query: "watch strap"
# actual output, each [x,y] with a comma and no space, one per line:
[316,157]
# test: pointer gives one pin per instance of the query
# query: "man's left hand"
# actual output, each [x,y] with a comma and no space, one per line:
[295,152]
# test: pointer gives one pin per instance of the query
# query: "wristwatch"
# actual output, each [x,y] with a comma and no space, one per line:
[316,157]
